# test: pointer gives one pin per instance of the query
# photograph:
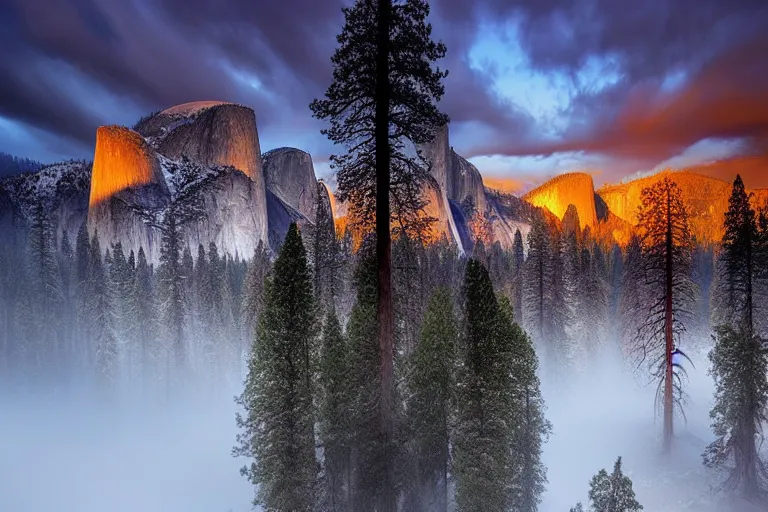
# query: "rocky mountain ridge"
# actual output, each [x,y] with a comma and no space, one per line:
[202,161]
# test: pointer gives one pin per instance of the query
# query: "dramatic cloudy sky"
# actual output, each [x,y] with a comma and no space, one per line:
[536,87]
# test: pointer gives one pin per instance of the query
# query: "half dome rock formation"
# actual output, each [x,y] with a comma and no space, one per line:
[122,160]
[572,188]
[209,133]
[202,159]
[290,175]
[213,133]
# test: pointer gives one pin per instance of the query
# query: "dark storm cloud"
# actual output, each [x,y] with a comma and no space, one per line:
[70,65]
[152,55]
[717,49]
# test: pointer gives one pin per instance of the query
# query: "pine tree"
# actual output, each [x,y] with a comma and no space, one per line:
[538,272]
[277,429]
[253,292]
[531,429]
[68,299]
[123,295]
[230,319]
[334,409]
[483,462]
[576,326]
[518,261]
[46,287]
[324,253]
[740,259]
[666,292]
[431,382]
[383,95]
[171,289]
[102,319]
[369,443]
[84,350]
[545,312]
[739,366]
[594,299]
[739,362]
[613,493]
[146,336]
[630,304]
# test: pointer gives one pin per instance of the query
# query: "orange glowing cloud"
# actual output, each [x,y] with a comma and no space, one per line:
[753,170]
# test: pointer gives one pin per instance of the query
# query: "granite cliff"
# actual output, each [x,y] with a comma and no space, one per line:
[561,191]
[202,160]
[706,200]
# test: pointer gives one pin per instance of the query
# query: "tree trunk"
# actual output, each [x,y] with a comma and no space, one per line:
[748,305]
[443,499]
[669,345]
[388,498]
[746,453]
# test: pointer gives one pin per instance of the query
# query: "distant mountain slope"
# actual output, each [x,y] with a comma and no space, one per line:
[12,165]
[706,199]
[205,156]
[62,189]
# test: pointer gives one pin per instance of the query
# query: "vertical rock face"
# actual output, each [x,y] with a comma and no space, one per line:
[122,160]
[213,133]
[573,188]
[126,179]
[438,152]
[705,198]
[463,207]
[466,184]
[289,174]
[439,208]
[221,134]
[203,157]
[227,197]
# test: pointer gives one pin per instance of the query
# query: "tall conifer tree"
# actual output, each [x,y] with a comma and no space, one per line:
[665,292]
[102,319]
[383,96]
[484,465]
[334,409]
[277,430]
[431,385]
[739,360]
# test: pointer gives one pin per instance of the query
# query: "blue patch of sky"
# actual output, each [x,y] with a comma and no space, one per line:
[24,141]
[546,96]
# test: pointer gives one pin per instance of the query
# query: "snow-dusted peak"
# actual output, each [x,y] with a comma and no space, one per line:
[51,181]
[193,108]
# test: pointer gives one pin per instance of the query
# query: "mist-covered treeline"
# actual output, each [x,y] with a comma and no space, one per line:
[78,316]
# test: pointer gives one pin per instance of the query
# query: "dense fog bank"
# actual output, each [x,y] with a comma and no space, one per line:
[69,456]
[86,456]
[610,413]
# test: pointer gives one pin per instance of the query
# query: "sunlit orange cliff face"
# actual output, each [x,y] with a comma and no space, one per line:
[122,160]
[705,199]
[572,188]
